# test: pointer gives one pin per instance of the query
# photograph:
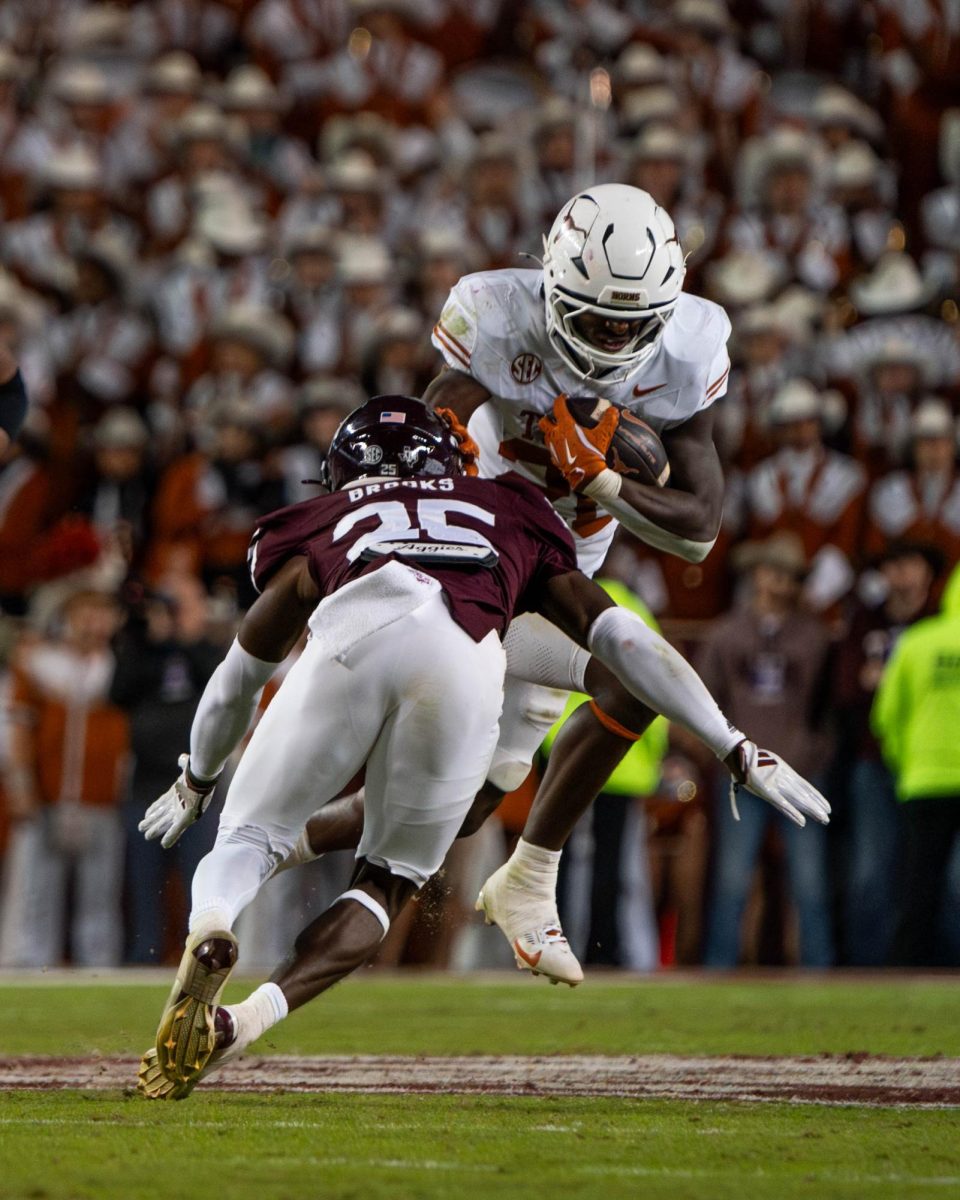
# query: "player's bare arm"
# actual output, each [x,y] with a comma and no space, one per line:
[275,622]
[456,391]
[684,518]
[692,506]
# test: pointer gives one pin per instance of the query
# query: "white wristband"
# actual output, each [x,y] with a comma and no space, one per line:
[606,486]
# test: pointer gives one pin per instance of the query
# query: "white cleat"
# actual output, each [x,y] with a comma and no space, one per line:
[531,926]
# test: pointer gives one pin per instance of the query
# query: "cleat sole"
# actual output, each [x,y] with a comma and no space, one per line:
[187,1037]
[152,1084]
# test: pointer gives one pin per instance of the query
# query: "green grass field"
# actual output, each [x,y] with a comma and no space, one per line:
[113,1146]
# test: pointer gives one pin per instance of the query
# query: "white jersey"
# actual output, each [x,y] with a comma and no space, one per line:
[493,328]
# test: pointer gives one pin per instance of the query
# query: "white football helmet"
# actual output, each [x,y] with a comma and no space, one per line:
[612,252]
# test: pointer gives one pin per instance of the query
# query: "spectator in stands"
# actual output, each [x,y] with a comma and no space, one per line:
[811,491]
[890,302]
[920,502]
[787,215]
[68,764]
[871,878]
[916,716]
[238,484]
[250,347]
[118,494]
[394,361]
[889,386]
[164,659]
[102,344]
[323,404]
[312,300]
[860,184]
[765,663]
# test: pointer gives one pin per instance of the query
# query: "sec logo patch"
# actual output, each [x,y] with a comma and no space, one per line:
[525,368]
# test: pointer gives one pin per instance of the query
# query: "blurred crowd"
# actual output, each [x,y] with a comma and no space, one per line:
[225,223]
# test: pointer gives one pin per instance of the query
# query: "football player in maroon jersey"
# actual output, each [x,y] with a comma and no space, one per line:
[407,575]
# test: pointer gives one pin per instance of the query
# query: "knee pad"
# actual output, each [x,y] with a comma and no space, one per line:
[529,711]
[506,772]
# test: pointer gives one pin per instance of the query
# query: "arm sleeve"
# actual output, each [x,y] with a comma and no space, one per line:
[226,709]
[13,405]
[650,668]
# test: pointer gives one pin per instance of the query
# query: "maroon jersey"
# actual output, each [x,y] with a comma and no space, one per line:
[491,545]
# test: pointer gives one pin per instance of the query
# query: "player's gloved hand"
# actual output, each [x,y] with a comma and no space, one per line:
[769,777]
[178,807]
[579,454]
[469,450]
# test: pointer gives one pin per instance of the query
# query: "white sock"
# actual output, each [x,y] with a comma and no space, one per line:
[260,1011]
[535,866]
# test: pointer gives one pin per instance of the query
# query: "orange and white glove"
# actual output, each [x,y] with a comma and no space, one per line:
[579,454]
[469,450]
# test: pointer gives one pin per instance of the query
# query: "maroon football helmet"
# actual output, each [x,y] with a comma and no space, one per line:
[395,436]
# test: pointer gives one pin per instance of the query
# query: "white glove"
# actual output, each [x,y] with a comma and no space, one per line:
[177,808]
[773,780]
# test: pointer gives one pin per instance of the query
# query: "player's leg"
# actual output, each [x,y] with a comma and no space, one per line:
[541,662]
[588,749]
[521,896]
[428,761]
[308,745]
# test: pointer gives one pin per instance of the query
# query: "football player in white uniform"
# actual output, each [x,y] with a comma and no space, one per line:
[606,317]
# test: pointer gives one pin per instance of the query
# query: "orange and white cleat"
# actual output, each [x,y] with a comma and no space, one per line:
[530,924]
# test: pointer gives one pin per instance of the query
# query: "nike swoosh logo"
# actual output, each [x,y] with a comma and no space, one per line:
[530,959]
[639,391]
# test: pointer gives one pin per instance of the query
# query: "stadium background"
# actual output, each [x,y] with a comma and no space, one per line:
[225,224]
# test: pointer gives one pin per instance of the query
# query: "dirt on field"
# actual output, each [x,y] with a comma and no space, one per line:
[825,1079]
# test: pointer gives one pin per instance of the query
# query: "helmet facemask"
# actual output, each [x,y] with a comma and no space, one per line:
[612,253]
[591,361]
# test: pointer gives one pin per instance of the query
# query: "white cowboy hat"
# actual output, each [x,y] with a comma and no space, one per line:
[894,285]
[795,400]
[262,328]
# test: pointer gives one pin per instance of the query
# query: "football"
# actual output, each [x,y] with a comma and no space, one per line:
[636,451]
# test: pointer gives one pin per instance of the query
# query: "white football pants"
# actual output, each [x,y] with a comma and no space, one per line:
[418,702]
